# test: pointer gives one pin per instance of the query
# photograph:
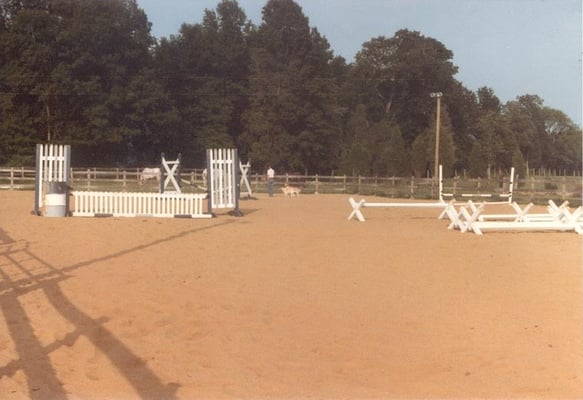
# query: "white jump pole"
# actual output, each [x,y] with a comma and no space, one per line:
[358,205]
[508,195]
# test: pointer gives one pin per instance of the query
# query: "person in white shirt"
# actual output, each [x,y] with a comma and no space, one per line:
[270,178]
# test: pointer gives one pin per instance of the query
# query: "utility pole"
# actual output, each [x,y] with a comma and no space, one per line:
[438,96]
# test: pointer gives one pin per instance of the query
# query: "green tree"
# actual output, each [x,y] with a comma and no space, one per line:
[399,73]
[488,102]
[73,68]
[526,121]
[358,160]
[293,120]
[26,59]
[518,163]
[205,69]
[421,155]
[387,149]
[357,156]
[395,154]
[478,161]
[463,110]
[423,149]
[495,140]
[564,138]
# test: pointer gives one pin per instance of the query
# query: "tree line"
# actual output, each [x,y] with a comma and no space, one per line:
[89,73]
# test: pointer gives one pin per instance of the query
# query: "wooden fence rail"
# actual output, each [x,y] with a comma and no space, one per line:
[536,188]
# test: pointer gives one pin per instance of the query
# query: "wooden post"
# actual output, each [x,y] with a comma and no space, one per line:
[317,185]
[412,193]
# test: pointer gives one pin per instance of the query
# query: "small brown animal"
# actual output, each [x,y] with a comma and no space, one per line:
[291,191]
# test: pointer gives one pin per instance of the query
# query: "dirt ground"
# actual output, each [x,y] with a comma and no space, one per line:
[291,301]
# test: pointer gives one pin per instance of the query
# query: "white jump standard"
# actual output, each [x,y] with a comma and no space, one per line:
[53,164]
[244,169]
[223,180]
[170,173]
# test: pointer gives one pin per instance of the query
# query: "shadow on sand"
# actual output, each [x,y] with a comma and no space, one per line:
[22,272]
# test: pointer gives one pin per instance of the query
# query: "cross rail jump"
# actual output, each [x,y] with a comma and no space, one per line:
[441,203]
[470,218]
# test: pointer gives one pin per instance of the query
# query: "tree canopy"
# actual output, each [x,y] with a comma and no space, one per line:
[89,73]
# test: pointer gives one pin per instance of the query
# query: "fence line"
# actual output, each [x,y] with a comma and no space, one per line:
[531,188]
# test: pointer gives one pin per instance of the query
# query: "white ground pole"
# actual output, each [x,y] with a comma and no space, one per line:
[358,205]
[507,196]
[442,203]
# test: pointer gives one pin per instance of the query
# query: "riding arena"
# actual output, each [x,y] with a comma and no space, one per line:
[211,294]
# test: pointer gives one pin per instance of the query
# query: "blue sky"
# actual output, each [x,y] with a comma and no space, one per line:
[515,47]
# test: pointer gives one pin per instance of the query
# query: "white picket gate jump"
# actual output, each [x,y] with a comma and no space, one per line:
[223,179]
[53,164]
[125,204]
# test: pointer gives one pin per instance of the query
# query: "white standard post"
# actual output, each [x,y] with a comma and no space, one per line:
[53,164]
[244,169]
[511,186]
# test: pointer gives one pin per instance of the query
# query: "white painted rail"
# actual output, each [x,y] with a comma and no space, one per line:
[559,218]
[357,206]
[127,204]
